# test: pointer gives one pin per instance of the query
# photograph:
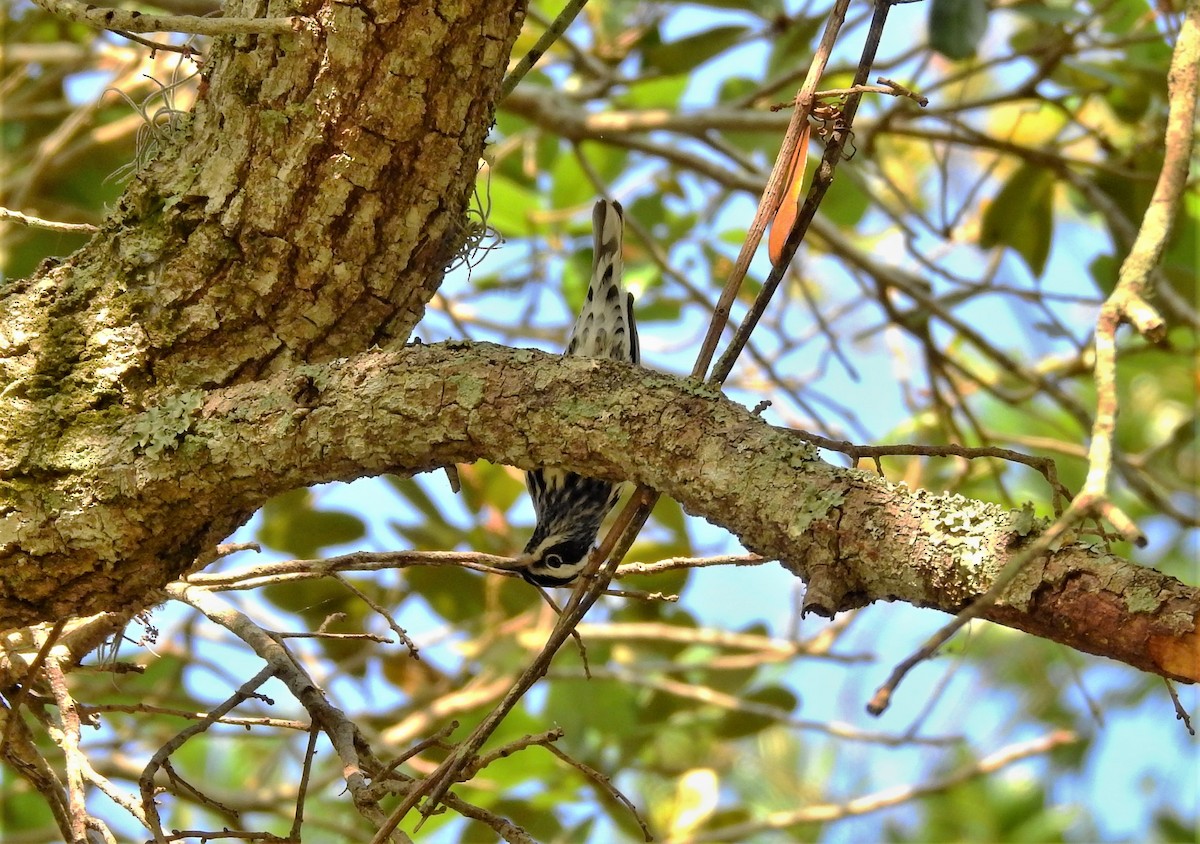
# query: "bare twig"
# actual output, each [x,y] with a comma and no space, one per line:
[1181,714]
[69,742]
[821,183]
[9,216]
[773,193]
[186,50]
[146,781]
[342,733]
[544,739]
[309,752]
[826,812]
[396,628]
[606,785]
[675,563]
[638,595]
[31,675]
[252,577]
[552,34]
[133,21]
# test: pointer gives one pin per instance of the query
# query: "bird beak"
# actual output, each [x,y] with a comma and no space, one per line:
[521,561]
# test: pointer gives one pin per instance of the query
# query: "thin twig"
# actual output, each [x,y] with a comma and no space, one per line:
[69,742]
[606,785]
[310,752]
[10,216]
[253,577]
[378,608]
[772,195]
[825,812]
[1181,714]
[31,674]
[824,178]
[133,21]
[435,740]
[187,50]
[638,595]
[543,739]
[676,563]
[146,780]
[552,34]
[342,732]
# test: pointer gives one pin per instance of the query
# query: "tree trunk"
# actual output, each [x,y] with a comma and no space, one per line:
[305,209]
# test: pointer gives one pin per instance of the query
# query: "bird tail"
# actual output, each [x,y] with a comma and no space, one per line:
[605,327]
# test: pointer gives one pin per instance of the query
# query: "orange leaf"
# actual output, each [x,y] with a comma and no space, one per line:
[789,209]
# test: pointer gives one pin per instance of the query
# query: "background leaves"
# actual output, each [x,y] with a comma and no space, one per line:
[905,318]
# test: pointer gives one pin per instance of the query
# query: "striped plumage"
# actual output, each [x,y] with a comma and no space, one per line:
[571,507]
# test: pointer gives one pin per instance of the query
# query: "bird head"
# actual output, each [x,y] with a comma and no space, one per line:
[555,560]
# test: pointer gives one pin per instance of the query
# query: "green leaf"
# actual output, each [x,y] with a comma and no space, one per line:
[1103,270]
[577,270]
[736,87]
[670,515]
[793,47]
[489,484]
[429,534]
[290,524]
[1022,216]
[453,593]
[1179,259]
[739,724]
[766,9]
[655,92]
[957,26]
[1132,99]
[572,187]
[660,310]
[846,202]
[510,206]
[592,710]
[412,492]
[1046,13]
[1124,16]
[1088,77]
[688,53]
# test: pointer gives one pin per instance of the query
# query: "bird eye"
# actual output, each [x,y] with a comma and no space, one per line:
[553,560]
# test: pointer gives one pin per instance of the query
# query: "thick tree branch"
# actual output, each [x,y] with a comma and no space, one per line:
[305,209]
[138,500]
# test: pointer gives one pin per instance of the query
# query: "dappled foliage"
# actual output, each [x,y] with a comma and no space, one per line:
[946,293]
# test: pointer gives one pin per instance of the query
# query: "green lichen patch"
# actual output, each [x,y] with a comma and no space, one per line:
[816,506]
[165,426]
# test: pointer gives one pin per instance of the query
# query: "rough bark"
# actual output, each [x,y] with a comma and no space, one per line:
[305,209]
[214,457]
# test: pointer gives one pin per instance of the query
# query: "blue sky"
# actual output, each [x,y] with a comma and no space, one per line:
[1143,745]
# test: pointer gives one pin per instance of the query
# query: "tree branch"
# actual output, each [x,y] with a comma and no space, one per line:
[124,518]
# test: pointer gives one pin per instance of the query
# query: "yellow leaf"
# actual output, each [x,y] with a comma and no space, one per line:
[695,800]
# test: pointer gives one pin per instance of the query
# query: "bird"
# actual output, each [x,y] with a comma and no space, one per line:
[570,507]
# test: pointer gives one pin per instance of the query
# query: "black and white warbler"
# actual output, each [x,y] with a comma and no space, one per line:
[570,507]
